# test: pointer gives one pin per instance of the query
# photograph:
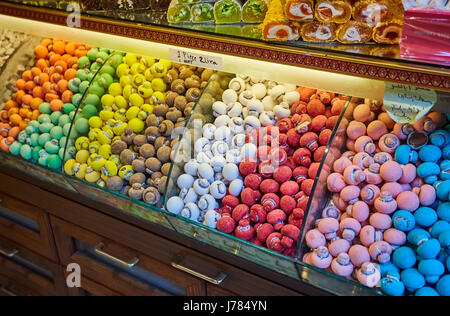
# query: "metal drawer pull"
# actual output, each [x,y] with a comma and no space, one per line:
[222,276]
[99,249]
[9,254]
[7,292]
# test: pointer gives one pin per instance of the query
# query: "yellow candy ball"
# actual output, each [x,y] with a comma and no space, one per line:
[132,112]
[119,128]
[158,84]
[148,75]
[125,81]
[107,100]
[105,151]
[148,61]
[95,122]
[82,156]
[82,143]
[93,133]
[92,175]
[110,169]
[106,114]
[115,89]
[121,115]
[122,70]
[68,167]
[127,91]
[136,125]
[105,137]
[130,59]
[97,162]
[79,170]
[145,90]
[136,100]
[116,160]
[93,147]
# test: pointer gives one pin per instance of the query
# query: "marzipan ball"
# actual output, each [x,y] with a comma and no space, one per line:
[127,157]
[138,165]
[153,120]
[118,146]
[156,175]
[136,191]
[165,169]
[166,128]
[128,136]
[161,141]
[160,184]
[170,98]
[137,178]
[140,140]
[173,115]
[170,76]
[178,86]
[153,165]
[163,154]
[152,133]
[151,196]
[147,151]
[180,102]
[114,183]
[161,109]
[192,94]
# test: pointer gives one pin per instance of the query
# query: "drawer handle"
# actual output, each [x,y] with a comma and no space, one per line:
[7,292]
[9,254]
[99,249]
[220,278]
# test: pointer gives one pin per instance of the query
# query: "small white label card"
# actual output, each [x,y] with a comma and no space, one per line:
[408,104]
[199,60]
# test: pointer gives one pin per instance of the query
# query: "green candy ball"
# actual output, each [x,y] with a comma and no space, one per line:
[44,118]
[84,62]
[105,80]
[34,139]
[70,153]
[61,153]
[95,67]
[76,99]
[63,120]
[82,126]
[68,107]
[44,108]
[89,110]
[84,86]
[57,132]
[92,54]
[52,147]
[108,69]
[30,130]
[74,85]
[25,152]
[92,99]
[55,117]
[102,55]
[43,159]
[54,161]
[46,127]
[66,129]
[35,153]
[15,148]
[44,138]
[83,74]
[95,88]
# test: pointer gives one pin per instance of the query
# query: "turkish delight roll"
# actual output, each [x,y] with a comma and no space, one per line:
[299,10]
[202,12]
[354,32]
[371,11]
[228,11]
[319,32]
[333,11]
[179,13]
[276,27]
[254,11]
[388,32]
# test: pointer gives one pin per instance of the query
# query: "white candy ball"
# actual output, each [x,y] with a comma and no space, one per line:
[236,186]
[205,171]
[211,218]
[175,205]
[185,181]
[229,96]
[218,189]
[230,171]
[259,90]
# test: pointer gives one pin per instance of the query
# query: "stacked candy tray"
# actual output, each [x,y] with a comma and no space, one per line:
[250,166]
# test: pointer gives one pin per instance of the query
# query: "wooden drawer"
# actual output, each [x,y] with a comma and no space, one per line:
[116,266]
[35,272]
[27,225]
[12,288]
[91,288]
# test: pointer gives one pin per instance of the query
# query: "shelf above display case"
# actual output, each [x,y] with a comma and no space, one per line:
[342,59]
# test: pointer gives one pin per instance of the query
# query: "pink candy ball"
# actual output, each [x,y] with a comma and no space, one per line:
[391,171]
[392,187]
[408,201]
[358,255]
[409,173]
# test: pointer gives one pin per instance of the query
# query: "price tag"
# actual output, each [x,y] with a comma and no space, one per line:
[199,60]
[407,104]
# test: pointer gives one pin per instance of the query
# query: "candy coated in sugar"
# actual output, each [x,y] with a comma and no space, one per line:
[391,284]
[427,292]
[431,269]
[429,249]
[430,153]
[425,217]
[412,279]
[443,286]
[404,258]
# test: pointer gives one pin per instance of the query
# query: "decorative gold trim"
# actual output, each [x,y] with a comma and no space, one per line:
[426,76]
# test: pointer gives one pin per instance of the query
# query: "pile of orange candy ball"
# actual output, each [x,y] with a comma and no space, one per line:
[56,63]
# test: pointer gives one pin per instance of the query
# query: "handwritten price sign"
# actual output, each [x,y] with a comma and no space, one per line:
[406,104]
[193,59]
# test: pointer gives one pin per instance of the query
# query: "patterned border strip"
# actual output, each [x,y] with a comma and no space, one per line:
[409,77]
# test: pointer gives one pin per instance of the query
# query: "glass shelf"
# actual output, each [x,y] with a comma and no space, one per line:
[382,55]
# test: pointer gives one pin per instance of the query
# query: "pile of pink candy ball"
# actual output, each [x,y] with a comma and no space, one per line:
[372,185]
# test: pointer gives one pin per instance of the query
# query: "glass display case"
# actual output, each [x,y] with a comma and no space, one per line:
[146,115]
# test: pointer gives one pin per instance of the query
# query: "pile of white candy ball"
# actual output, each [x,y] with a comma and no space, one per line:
[248,104]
